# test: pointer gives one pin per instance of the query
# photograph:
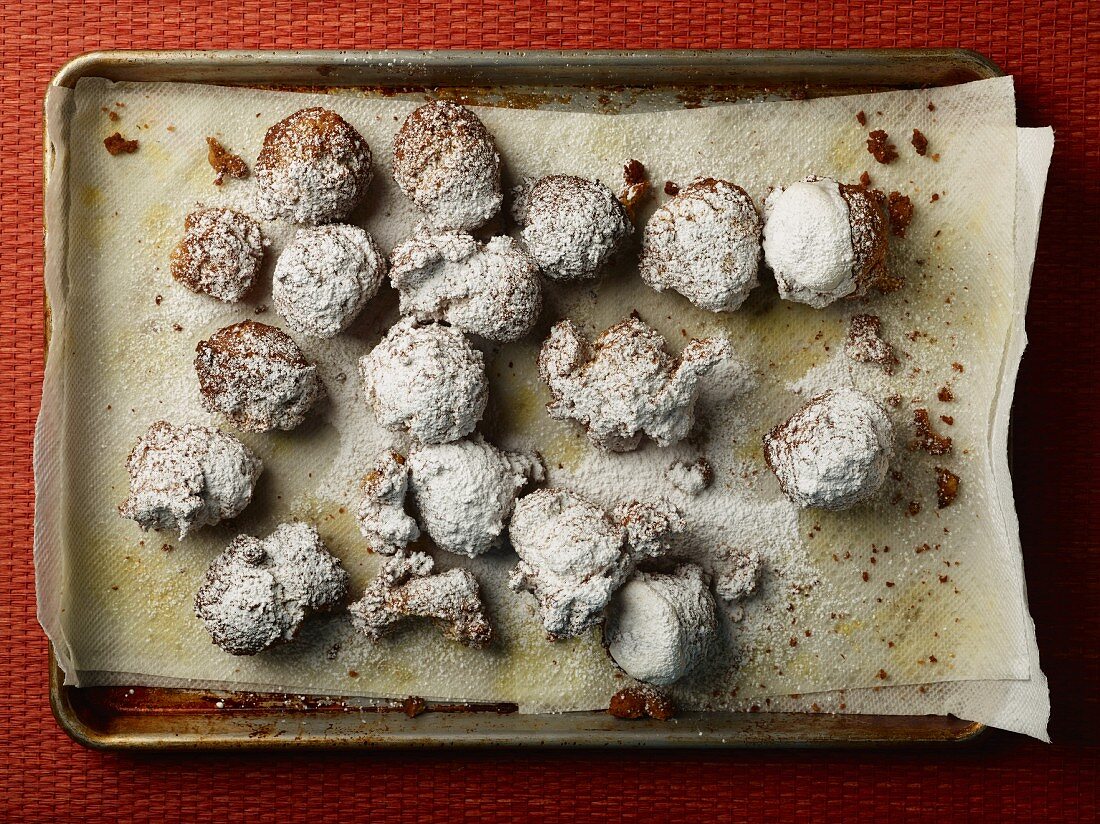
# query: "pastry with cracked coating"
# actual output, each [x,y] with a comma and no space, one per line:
[571,226]
[705,244]
[426,379]
[488,289]
[219,254]
[446,163]
[834,452]
[625,385]
[185,477]
[257,593]
[325,277]
[313,168]
[257,377]
[574,555]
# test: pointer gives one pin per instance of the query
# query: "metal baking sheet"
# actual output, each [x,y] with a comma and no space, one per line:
[162,718]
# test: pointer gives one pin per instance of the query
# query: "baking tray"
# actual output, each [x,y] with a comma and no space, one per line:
[161,718]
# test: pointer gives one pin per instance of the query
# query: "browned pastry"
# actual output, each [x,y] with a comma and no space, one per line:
[257,377]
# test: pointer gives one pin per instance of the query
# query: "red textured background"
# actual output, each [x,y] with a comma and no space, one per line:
[1046,45]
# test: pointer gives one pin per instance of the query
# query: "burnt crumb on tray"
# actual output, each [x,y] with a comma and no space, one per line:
[900,208]
[641,702]
[947,487]
[636,186]
[920,142]
[861,117]
[224,162]
[671,189]
[116,144]
[880,147]
[926,438]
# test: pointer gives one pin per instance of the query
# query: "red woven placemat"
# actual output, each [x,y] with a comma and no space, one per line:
[44,776]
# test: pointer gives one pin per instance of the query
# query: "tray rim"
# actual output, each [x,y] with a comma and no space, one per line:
[100,62]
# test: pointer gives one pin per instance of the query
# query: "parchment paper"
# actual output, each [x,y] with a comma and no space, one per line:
[117,603]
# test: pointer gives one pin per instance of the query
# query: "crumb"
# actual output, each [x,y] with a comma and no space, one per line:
[176,327]
[934,197]
[947,487]
[882,675]
[157,300]
[926,438]
[879,146]
[260,309]
[166,548]
[641,702]
[116,144]
[914,508]
[112,116]
[931,106]
[413,706]
[945,394]
[894,401]
[920,142]
[958,367]
[636,186]
[865,180]
[224,162]
[861,118]
[901,212]
[948,419]
[671,189]
[865,343]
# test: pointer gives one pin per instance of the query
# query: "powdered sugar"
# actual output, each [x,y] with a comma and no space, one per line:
[313,168]
[445,162]
[257,377]
[834,452]
[492,290]
[571,226]
[465,490]
[406,588]
[381,516]
[660,626]
[625,384]
[704,244]
[220,253]
[258,592]
[426,378]
[183,477]
[324,278]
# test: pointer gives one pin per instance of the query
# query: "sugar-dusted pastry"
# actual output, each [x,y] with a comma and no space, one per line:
[325,277]
[833,452]
[465,491]
[426,379]
[625,384]
[381,516]
[258,592]
[705,244]
[574,555]
[257,377]
[488,289]
[185,477]
[445,162]
[220,253]
[314,167]
[825,240]
[659,627]
[571,226]
[407,587]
